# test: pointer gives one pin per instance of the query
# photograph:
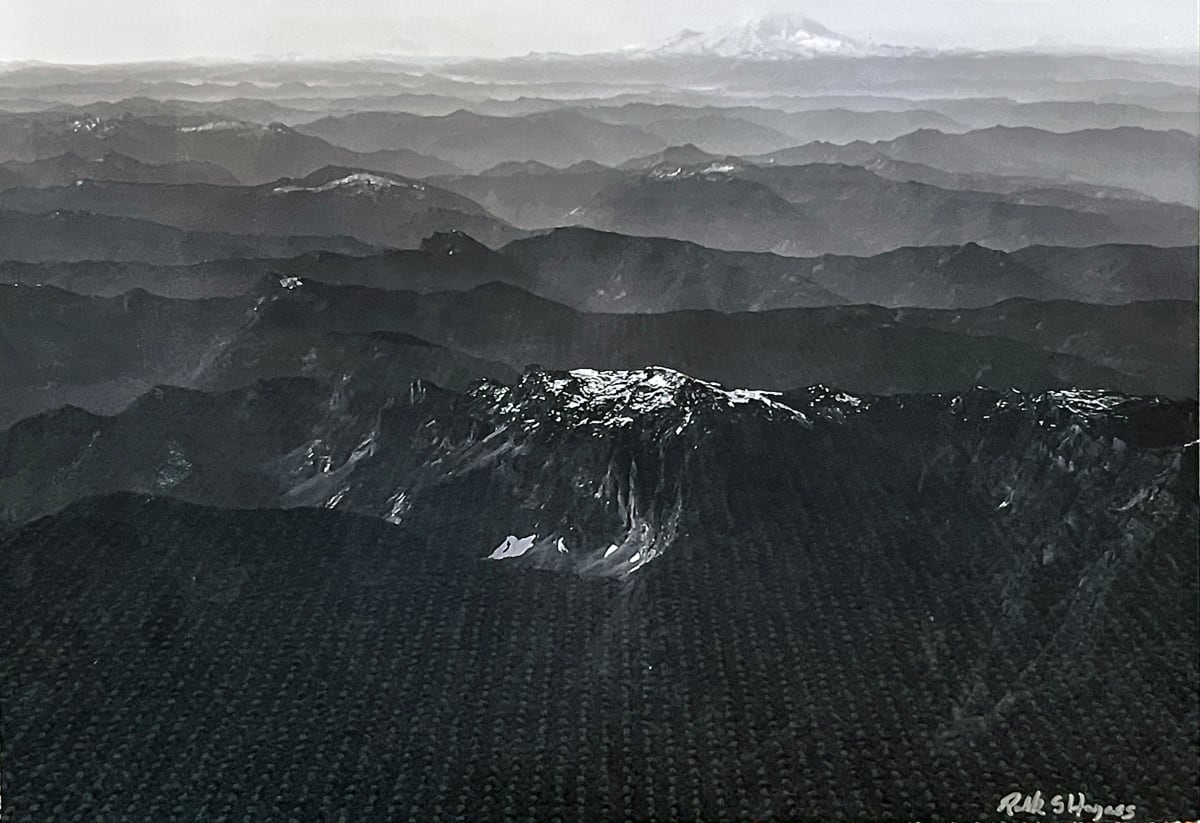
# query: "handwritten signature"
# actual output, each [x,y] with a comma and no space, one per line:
[1076,805]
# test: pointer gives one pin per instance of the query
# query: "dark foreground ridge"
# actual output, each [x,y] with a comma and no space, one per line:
[997,585]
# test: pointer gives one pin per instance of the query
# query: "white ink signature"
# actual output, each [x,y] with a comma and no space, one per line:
[1076,805]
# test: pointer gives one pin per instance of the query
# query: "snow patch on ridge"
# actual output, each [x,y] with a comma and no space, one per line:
[356,183]
[512,546]
[617,398]
[1084,402]
[215,125]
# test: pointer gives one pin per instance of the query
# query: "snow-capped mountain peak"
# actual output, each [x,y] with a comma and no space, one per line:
[773,36]
[617,399]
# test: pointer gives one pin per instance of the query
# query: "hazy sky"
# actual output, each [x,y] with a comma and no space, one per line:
[115,30]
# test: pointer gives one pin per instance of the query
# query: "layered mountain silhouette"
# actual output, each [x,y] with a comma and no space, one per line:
[378,209]
[294,327]
[67,169]
[689,194]
[605,272]
[252,152]
[684,193]
[765,424]
[1063,115]
[1159,163]
[683,124]
[568,262]
[477,142]
[820,208]
[73,235]
[541,197]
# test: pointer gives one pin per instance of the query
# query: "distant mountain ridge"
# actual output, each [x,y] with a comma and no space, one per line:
[867,198]
[764,424]
[477,142]
[597,271]
[823,207]
[1159,163]
[252,152]
[66,236]
[291,326]
[66,169]
[376,208]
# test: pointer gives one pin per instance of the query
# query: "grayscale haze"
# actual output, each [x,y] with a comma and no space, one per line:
[648,410]
[134,30]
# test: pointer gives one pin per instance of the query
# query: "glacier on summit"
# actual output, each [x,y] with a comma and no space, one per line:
[775,36]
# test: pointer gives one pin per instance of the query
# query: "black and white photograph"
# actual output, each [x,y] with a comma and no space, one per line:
[567,412]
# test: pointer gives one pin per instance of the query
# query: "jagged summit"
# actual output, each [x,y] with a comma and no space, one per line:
[622,398]
[597,472]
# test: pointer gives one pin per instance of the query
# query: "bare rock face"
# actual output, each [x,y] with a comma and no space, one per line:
[600,473]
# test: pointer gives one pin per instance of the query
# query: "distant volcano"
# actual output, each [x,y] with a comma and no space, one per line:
[773,37]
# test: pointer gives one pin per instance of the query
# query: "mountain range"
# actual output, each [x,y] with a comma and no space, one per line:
[66,169]
[598,271]
[478,142]
[688,532]
[290,326]
[1157,163]
[839,209]
[252,152]
[725,203]
[73,236]
[373,207]
[271,575]
[765,424]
